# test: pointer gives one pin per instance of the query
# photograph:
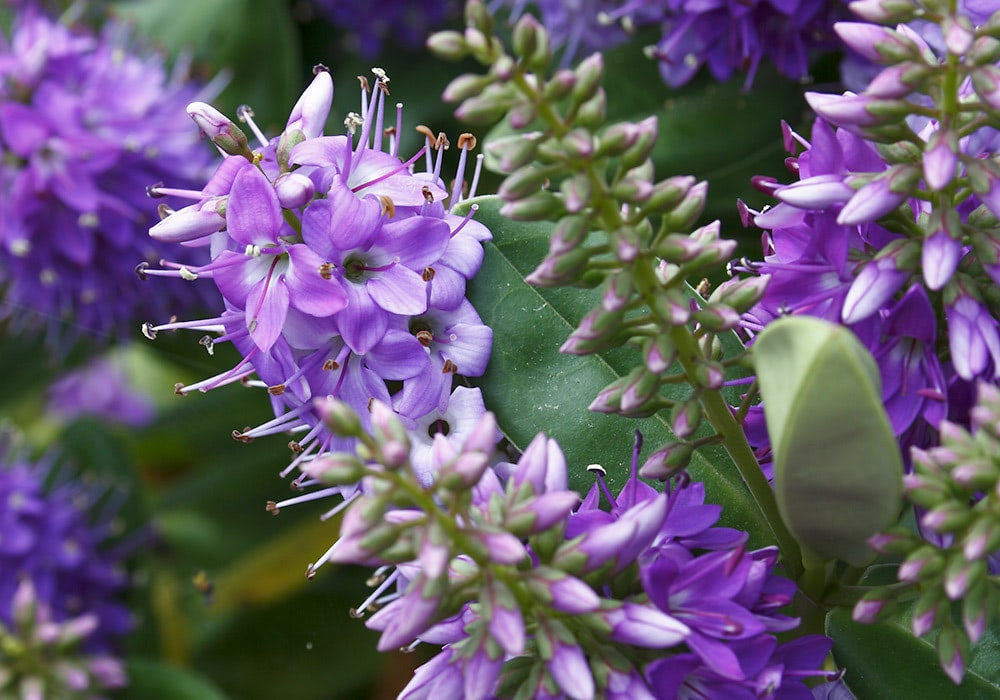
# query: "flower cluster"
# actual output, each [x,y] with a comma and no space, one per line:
[402,21]
[103,389]
[342,272]
[510,572]
[724,35]
[952,569]
[85,124]
[892,226]
[60,585]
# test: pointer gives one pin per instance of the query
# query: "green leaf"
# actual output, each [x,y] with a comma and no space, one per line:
[837,467]
[155,680]
[533,388]
[884,660]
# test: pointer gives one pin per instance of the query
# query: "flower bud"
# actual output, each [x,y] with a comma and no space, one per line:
[646,133]
[294,190]
[449,45]
[218,127]
[523,183]
[659,353]
[335,469]
[465,86]
[684,215]
[541,205]
[593,112]
[559,86]
[576,192]
[513,152]
[589,74]
[560,270]
[338,416]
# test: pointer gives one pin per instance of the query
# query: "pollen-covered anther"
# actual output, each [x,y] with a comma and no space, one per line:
[241,435]
[179,389]
[428,274]
[388,206]
[449,367]
[294,446]
[466,140]
[326,270]
[442,142]
[425,338]
[330,365]
[596,468]
[380,74]
[428,195]
[140,270]
[187,275]
[208,343]
[272,508]
[276,390]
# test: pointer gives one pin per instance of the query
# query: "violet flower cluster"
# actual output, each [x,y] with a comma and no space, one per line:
[400,21]
[86,122]
[511,574]
[892,226]
[723,35]
[61,584]
[341,270]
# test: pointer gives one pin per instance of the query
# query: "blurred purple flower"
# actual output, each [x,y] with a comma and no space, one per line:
[86,122]
[102,389]
[406,22]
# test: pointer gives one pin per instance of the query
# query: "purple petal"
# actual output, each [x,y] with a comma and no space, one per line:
[569,669]
[310,292]
[417,241]
[253,214]
[267,304]
[399,290]
[361,322]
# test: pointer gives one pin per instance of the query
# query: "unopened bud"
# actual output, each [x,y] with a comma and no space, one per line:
[646,133]
[220,129]
[449,45]
[338,416]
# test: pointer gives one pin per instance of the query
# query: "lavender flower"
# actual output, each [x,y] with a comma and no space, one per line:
[339,266]
[60,614]
[85,123]
[101,388]
[402,21]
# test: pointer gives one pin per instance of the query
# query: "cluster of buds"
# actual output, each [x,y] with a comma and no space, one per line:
[41,657]
[511,572]
[595,181]
[956,488]
[339,266]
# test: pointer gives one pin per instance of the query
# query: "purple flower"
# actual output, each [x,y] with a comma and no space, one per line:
[973,337]
[57,539]
[101,388]
[403,21]
[86,123]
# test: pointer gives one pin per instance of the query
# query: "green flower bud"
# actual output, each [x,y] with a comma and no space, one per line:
[448,45]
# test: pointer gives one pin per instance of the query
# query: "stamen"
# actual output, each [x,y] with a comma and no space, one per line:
[245,114]
[394,143]
[158,190]
[395,171]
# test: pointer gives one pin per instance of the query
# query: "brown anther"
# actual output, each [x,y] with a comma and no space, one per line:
[428,195]
[383,87]
[375,580]
[320,68]
[442,141]
[149,330]
[207,343]
[276,390]
[388,206]
[329,365]
[449,367]
[364,82]
[179,389]
[466,140]
[425,338]
[310,573]
[353,612]
[704,287]
[326,270]
[428,274]
[272,508]
[153,191]
[389,131]
[163,210]
[426,132]
[242,436]
[245,381]
[371,402]
[294,446]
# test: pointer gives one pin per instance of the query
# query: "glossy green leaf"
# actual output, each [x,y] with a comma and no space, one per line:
[837,467]
[155,680]
[533,388]
[884,660]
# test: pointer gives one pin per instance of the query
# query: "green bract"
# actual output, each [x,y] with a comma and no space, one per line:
[837,467]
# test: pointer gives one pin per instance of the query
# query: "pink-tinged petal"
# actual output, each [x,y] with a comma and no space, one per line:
[310,292]
[397,356]
[399,290]
[236,274]
[253,214]
[322,152]
[817,192]
[570,670]
[188,224]
[310,113]
[418,241]
[267,304]
[354,221]
[23,129]
[869,203]
[361,322]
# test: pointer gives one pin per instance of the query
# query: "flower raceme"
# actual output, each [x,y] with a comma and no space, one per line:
[342,272]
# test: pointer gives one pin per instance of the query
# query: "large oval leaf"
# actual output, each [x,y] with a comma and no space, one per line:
[884,660]
[837,467]
[533,388]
